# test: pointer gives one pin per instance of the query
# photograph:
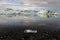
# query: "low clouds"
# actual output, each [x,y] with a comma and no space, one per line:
[43,3]
[9,2]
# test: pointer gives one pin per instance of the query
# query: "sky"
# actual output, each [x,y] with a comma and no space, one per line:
[10,2]
[43,3]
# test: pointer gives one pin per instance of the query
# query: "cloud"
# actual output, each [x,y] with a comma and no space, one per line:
[44,3]
[1,2]
[25,2]
[10,3]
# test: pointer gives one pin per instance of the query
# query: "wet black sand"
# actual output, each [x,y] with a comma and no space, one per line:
[45,31]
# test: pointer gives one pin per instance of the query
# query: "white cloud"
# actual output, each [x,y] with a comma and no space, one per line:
[44,2]
[1,2]
[10,3]
[51,3]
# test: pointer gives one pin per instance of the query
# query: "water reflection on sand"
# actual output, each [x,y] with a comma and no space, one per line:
[19,20]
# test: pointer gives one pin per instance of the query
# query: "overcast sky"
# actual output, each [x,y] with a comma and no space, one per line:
[44,3]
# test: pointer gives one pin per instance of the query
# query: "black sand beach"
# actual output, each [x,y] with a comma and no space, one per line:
[46,30]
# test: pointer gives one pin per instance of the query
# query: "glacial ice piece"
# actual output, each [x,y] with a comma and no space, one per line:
[30,31]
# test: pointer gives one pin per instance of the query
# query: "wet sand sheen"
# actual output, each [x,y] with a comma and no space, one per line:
[19,21]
